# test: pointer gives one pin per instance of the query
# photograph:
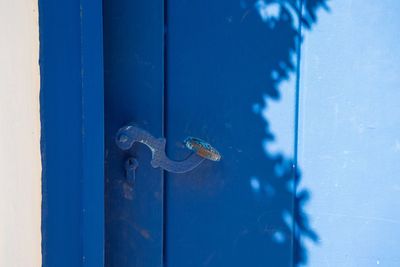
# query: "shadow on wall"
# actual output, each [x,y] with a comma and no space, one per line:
[279,43]
[282,26]
[234,55]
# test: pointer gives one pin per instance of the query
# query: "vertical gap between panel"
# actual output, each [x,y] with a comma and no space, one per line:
[164,132]
[296,130]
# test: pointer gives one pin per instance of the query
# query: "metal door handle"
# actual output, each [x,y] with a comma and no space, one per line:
[130,134]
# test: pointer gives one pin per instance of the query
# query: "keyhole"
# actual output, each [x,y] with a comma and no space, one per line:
[131,165]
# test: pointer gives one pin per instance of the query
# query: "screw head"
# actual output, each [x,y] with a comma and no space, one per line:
[123,138]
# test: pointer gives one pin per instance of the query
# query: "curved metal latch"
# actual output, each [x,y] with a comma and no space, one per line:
[130,134]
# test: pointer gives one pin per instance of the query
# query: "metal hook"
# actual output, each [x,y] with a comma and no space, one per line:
[130,134]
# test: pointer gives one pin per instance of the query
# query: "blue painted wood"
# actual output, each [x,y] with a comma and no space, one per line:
[224,61]
[72,133]
[92,133]
[134,79]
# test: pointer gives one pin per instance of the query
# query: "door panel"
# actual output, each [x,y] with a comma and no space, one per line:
[226,67]
[133,45]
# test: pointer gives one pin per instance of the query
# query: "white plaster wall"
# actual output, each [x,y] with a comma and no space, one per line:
[20,162]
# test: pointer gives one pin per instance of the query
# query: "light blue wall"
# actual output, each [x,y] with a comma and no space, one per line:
[349,136]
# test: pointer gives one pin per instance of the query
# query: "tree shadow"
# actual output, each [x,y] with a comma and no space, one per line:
[225,56]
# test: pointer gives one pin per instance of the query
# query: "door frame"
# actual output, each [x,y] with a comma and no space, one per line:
[72,137]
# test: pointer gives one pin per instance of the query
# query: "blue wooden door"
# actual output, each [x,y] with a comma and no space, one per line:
[240,75]
[209,69]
